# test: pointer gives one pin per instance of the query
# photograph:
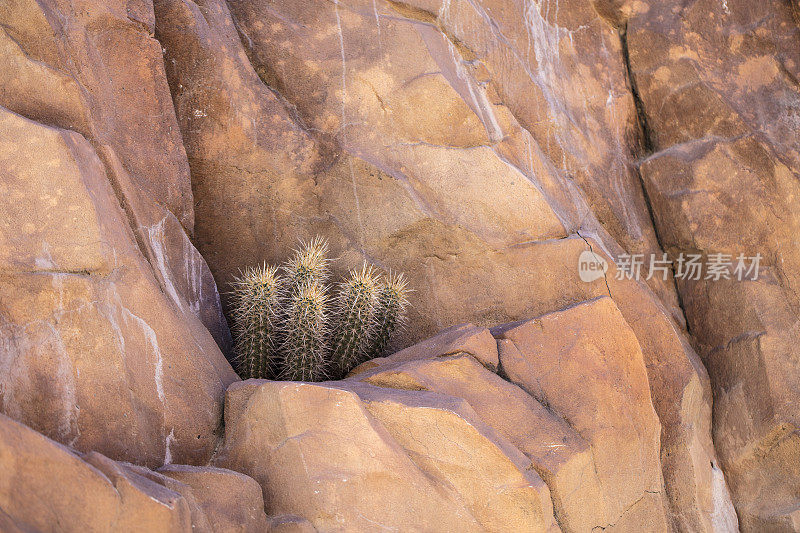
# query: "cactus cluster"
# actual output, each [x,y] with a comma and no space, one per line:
[289,324]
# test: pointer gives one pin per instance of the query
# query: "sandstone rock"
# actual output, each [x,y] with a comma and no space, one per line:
[480,146]
[681,394]
[754,384]
[350,455]
[228,500]
[93,353]
[559,455]
[717,83]
[74,76]
[148,505]
[96,68]
[466,338]
[92,308]
[290,524]
[585,364]
[36,472]
[271,147]
[312,168]
[48,487]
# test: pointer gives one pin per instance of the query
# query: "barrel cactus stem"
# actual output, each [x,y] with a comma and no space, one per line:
[390,312]
[308,266]
[355,306]
[256,310]
[304,351]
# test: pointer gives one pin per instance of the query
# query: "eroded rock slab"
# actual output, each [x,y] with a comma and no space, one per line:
[351,455]
[558,453]
[93,352]
[45,486]
[586,365]
[465,338]
[718,88]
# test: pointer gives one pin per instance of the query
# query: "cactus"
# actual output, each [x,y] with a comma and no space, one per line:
[355,307]
[308,265]
[282,324]
[304,351]
[255,299]
[389,312]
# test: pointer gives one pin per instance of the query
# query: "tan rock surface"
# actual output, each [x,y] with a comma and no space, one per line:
[585,364]
[290,524]
[47,487]
[381,186]
[360,143]
[480,146]
[718,87]
[350,455]
[559,455]
[94,354]
[228,500]
[465,338]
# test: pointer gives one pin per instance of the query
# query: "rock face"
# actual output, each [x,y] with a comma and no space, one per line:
[574,361]
[718,86]
[557,452]
[484,147]
[47,487]
[351,456]
[107,308]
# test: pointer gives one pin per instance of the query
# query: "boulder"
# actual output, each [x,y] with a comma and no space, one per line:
[48,487]
[351,455]
[229,501]
[465,338]
[95,354]
[585,364]
[558,453]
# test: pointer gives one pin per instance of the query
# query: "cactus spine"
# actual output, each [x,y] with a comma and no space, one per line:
[304,354]
[389,312]
[308,265]
[256,304]
[355,303]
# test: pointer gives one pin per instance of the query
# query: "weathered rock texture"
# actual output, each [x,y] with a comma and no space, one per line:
[350,456]
[718,83]
[105,305]
[47,487]
[481,146]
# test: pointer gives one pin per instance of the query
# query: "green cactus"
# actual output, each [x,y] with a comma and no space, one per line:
[355,306]
[308,265]
[256,301]
[283,324]
[304,351]
[389,313]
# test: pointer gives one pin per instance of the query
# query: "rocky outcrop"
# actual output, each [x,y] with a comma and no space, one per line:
[573,361]
[718,89]
[570,412]
[557,452]
[334,139]
[47,487]
[351,456]
[481,146]
[106,305]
